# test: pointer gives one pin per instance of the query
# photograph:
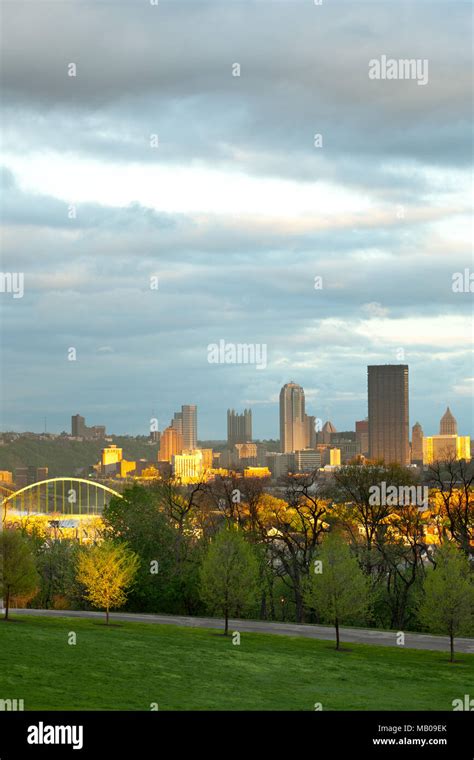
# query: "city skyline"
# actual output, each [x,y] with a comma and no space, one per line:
[445,422]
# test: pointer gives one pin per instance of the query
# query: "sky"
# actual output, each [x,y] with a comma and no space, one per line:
[181,174]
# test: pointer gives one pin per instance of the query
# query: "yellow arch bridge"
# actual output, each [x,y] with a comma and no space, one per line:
[65,496]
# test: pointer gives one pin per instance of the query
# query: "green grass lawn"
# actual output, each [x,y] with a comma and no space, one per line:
[128,666]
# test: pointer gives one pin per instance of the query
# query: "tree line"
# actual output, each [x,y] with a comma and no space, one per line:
[309,551]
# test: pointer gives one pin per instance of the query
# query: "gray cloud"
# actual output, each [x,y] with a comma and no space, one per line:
[168,70]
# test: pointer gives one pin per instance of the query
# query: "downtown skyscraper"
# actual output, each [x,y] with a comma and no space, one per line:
[189,426]
[185,423]
[293,435]
[388,413]
[239,426]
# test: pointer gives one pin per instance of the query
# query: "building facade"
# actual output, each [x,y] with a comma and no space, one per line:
[189,422]
[239,427]
[448,424]
[437,448]
[171,443]
[417,444]
[388,413]
[362,436]
[292,418]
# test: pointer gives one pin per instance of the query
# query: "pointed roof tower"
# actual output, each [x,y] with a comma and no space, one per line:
[448,424]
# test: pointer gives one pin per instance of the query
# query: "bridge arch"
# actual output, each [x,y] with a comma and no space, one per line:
[83,498]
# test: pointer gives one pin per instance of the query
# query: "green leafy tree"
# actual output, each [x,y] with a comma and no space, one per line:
[229,574]
[169,562]
[340,591]
[56,562]
[107,571]
[448,605]
[18,574]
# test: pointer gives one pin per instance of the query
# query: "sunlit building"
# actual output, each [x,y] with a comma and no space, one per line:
[189,413]
[257,472]
[188,465]
[246,450]
[111,455]
[126,468]
[171,443]
[207,459]
[292,418]
[437,448]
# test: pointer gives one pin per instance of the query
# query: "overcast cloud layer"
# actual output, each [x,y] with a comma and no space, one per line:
[236,211]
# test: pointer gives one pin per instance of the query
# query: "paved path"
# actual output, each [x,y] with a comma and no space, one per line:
[348,635]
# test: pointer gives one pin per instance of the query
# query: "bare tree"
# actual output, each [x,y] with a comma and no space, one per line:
[454,481]
[292,529]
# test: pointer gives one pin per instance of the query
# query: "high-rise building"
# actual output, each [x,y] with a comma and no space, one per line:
[417,444]
[362,436]
[448,424]
[292,418]
[310,431]
[189,422]
[78,426]
[177,422]
[171,443]
[239,427]
[388,413]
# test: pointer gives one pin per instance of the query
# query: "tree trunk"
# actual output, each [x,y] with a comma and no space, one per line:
[7,603]
[299,606]
[106,616]
[226,627]
[337,633]
[451,641]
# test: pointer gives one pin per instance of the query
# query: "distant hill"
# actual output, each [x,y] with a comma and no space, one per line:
[65,457]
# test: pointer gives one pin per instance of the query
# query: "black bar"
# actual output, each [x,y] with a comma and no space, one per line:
[303,734]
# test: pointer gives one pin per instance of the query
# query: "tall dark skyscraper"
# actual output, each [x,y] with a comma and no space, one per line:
[388,413]
[239,426]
